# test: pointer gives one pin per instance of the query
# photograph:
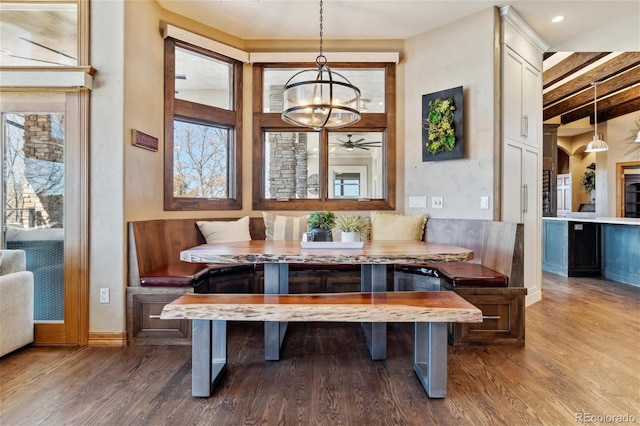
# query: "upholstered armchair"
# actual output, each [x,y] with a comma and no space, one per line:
[16,301]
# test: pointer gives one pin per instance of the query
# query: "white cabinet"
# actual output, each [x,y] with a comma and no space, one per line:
[522,102]
[521,172]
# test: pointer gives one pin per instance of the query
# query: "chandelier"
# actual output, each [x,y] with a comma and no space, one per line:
[596,145]
[320,98]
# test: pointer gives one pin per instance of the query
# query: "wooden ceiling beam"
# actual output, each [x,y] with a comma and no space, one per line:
[619,110]
[619,64]
[620,82]
[572,64]
[604,105]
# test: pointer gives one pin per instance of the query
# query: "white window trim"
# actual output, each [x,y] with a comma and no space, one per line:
[68,79]
[294,57]
[169,30]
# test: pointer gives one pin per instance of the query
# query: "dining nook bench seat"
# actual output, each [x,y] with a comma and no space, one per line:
[493,281]
[430,311]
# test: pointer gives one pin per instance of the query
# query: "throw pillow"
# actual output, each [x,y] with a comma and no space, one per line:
[385,226]
[278,227]
[223,231]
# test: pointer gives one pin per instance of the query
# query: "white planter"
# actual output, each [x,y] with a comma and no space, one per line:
[350,237]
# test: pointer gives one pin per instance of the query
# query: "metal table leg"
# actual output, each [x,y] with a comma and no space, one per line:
[430,357]
[276,281]
[208,355]
[373,278]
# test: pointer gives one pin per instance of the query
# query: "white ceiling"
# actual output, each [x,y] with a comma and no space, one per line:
[605,25]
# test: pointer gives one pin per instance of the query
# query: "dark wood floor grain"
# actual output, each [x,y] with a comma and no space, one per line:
[582,358]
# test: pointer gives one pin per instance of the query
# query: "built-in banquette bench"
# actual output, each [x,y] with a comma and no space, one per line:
[157,276]
[493,281]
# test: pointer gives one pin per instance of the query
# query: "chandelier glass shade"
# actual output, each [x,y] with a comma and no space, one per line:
[320,98]
[596,145]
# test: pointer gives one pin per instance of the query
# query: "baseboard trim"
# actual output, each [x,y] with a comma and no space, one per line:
[107,339]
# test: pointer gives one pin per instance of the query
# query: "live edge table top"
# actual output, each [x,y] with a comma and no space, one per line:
[373,252]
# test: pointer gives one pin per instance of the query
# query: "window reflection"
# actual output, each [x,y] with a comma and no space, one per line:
[203,80]
[38,34]
[355,164]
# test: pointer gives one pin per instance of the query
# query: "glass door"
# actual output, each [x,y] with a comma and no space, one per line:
[33,192]
[35,144]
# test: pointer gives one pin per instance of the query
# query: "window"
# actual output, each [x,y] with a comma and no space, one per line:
[202,168]
[351,168]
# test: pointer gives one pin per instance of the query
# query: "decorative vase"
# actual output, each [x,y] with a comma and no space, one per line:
[321,234]
[350,237]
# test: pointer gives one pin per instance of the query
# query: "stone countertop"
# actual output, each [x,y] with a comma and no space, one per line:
[605,220]
[430,306]
[373,252]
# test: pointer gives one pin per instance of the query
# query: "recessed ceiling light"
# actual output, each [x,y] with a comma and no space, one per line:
[557,19]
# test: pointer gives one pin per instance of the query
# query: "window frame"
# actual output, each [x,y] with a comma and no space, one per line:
[205,115]
[374,122]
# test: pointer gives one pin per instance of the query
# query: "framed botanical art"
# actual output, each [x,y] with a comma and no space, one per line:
[443,125]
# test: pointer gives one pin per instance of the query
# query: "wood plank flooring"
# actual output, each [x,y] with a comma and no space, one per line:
[582,358]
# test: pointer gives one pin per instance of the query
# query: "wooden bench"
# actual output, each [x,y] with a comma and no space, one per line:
[495,284]
[429,310]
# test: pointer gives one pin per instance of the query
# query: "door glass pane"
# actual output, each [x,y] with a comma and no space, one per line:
[292,165]
[355,165]
[200,160]
[33,197]
[36,34]
[203,80]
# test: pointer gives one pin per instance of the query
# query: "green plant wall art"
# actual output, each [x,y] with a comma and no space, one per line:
[442,125]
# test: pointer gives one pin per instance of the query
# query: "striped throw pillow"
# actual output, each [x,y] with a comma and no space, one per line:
[279,227]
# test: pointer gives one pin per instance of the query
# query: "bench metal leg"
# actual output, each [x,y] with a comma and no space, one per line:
[373,278]
[430,357]
[208,355]
[276,281]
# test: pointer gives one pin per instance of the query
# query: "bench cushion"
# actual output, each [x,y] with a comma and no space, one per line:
[466,274]
[177,274]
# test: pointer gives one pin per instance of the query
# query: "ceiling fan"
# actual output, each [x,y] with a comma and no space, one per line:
[349,144]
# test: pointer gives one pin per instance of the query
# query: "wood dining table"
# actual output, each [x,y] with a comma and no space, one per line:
[374,256]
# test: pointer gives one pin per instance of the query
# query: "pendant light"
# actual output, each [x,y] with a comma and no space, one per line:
[320,98]
[596,145]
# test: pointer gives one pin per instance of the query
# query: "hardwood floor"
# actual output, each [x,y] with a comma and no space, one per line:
[582,358]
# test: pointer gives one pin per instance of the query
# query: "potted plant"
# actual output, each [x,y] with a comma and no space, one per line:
[352,227]
[589,183]
[320,225]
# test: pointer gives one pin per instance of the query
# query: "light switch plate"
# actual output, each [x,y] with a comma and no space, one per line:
[436,202]
[484,202]
[417,202]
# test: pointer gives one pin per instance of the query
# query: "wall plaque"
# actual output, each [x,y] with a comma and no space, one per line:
[142,140]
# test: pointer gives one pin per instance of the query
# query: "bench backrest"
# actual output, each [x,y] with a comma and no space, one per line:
[154,244]
[496,245]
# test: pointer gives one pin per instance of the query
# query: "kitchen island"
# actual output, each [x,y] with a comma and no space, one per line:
[583,245]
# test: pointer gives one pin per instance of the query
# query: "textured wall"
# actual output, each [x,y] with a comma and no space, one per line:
[462,53]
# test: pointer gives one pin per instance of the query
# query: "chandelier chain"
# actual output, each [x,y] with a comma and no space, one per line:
[321,59]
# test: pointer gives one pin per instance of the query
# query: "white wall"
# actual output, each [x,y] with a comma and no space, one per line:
[107,243]
[462,53]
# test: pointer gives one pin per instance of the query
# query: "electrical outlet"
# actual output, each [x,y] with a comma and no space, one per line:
[417,202]
[104,295]
[484,202]
[436,202]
